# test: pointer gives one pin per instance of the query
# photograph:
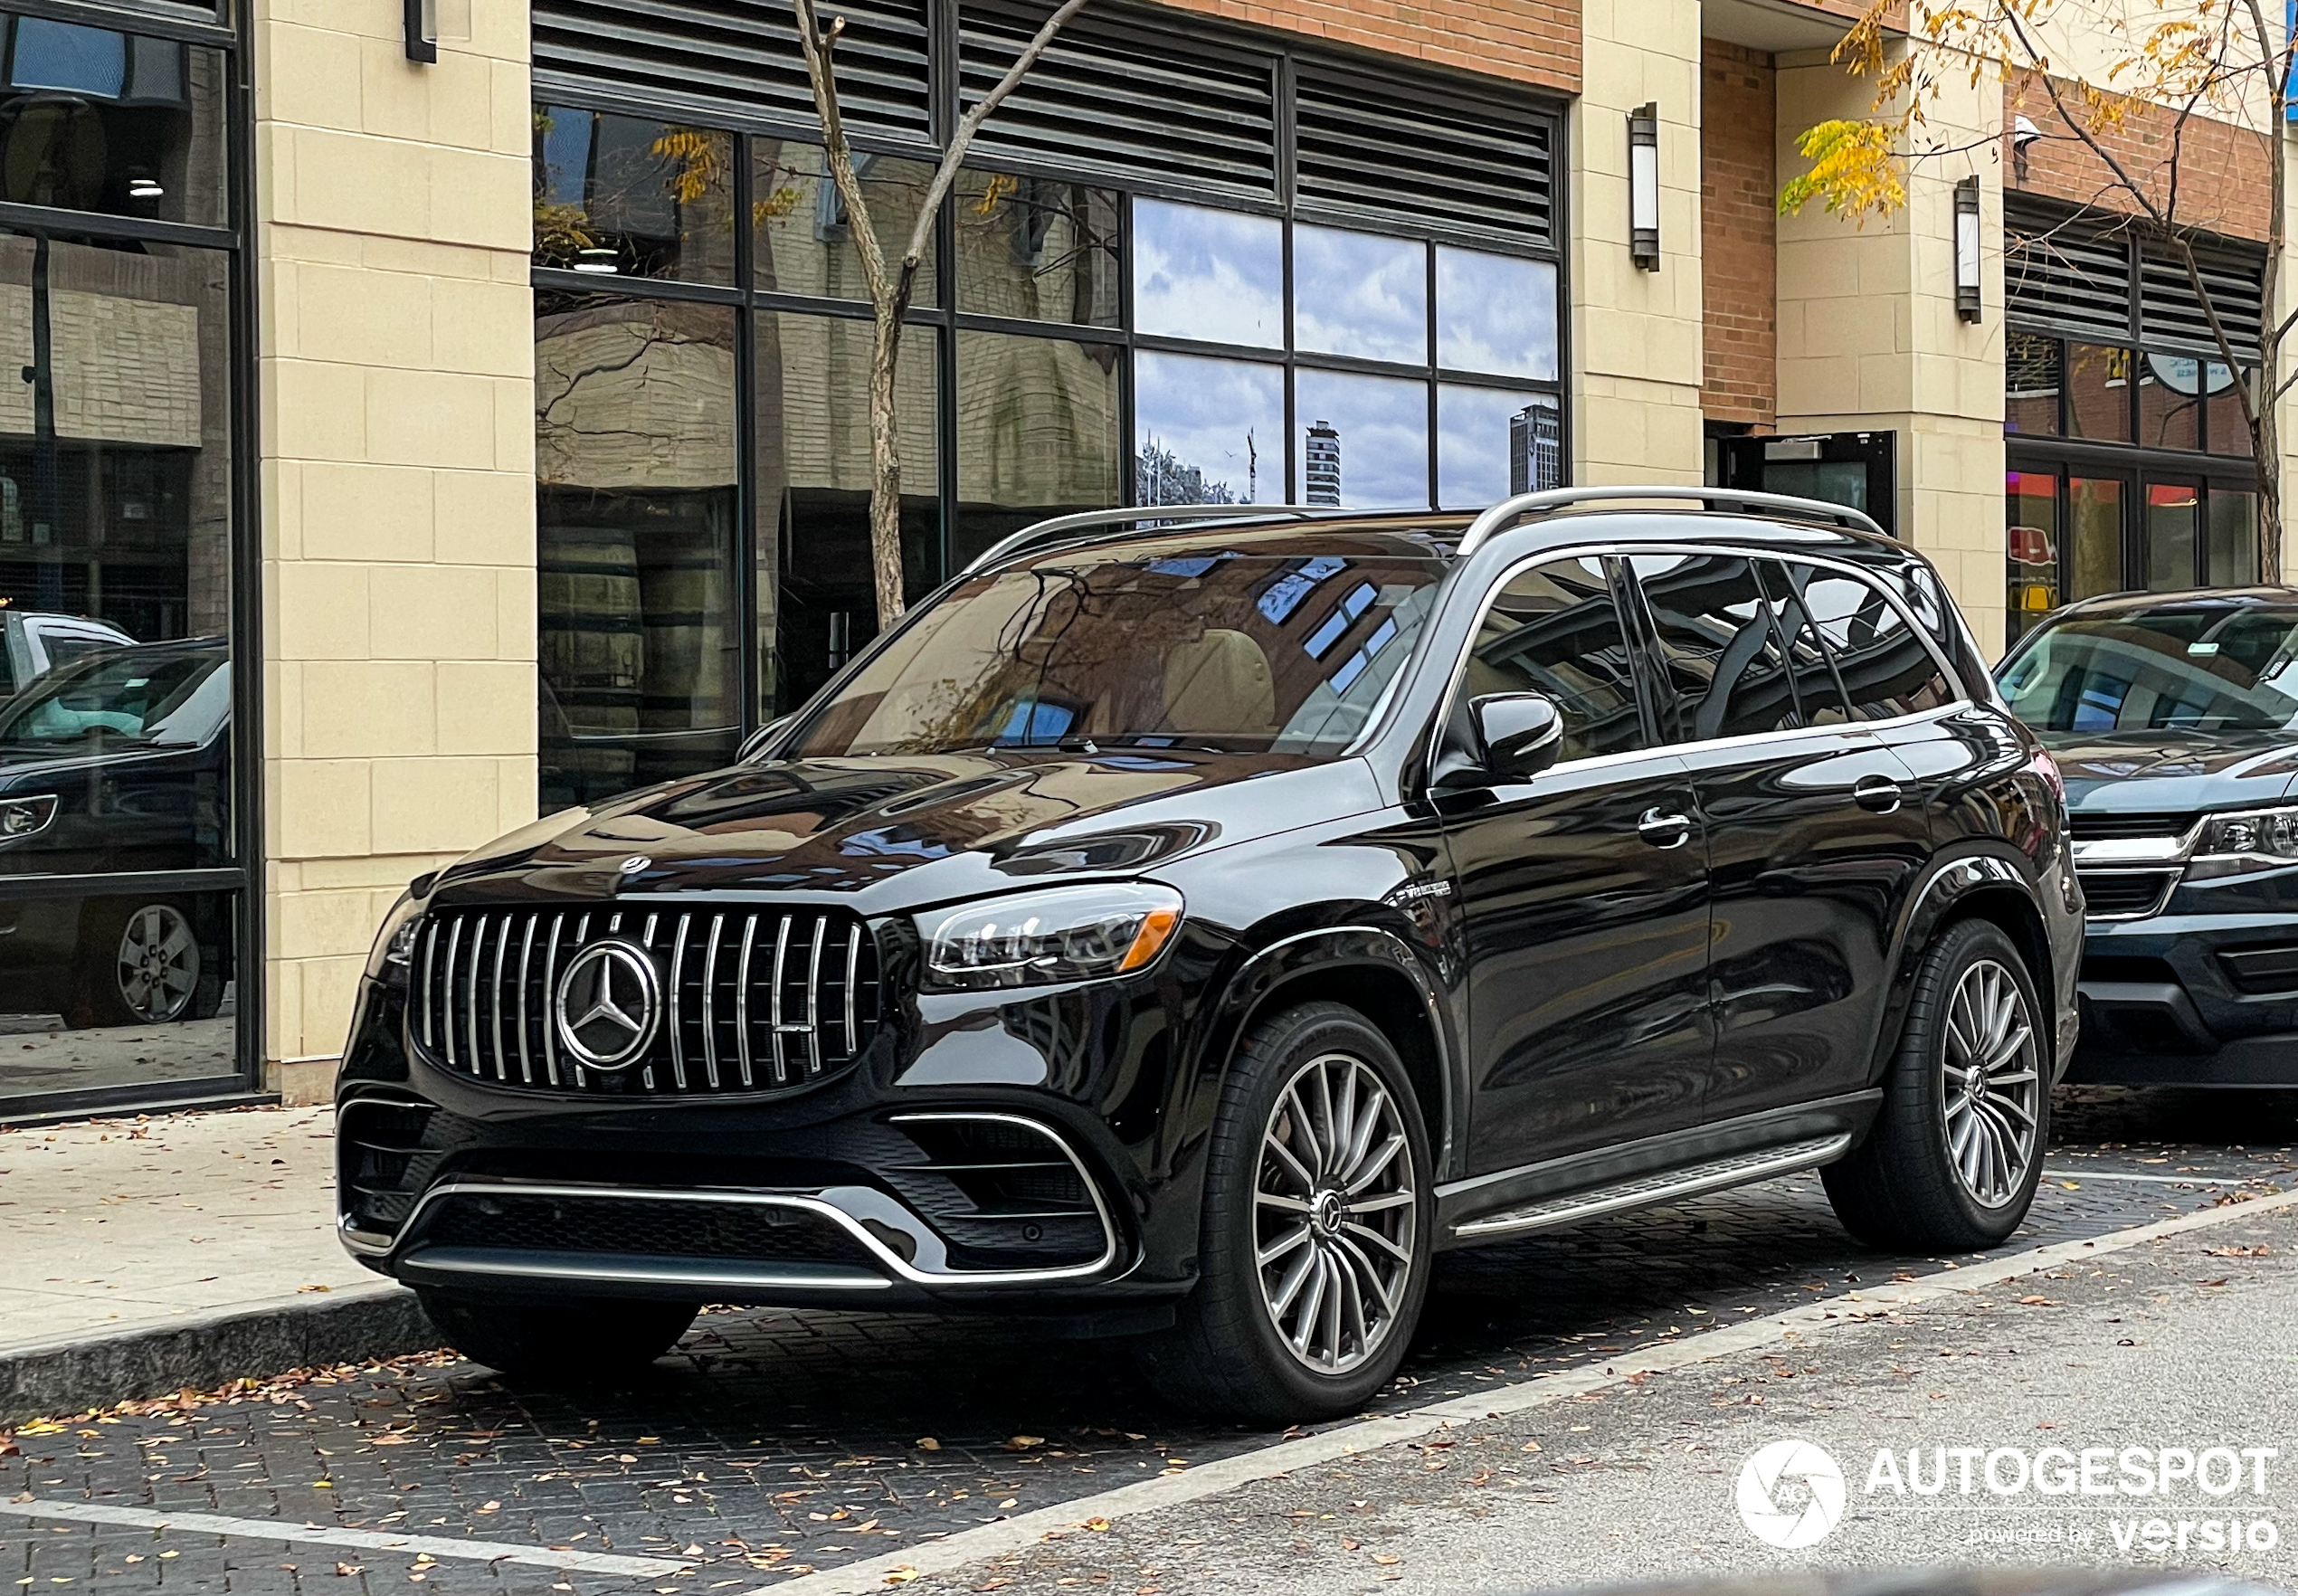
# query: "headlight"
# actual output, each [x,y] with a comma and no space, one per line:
[2240,843]
[25,817]
[394,949]
[1040,938]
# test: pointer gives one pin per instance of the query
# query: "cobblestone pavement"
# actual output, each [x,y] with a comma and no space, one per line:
[773,1442]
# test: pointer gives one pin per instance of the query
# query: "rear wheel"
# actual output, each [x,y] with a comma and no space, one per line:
[1316,1228]
[1956,1152]
[561,1343]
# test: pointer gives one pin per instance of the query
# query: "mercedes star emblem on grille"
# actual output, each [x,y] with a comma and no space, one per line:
[608,1001]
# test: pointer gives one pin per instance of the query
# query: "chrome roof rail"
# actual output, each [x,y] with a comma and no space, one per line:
[1509,511]
[1085,520]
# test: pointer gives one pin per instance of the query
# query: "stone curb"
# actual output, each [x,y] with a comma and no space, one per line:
[71,1375]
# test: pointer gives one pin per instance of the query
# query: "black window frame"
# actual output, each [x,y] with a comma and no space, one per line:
[2211,463]
[215,27]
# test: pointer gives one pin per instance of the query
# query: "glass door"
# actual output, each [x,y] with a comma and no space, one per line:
[2170,537]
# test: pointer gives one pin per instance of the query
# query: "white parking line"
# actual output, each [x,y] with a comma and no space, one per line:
[274,1529]
[2167,1180]
[1027,1529]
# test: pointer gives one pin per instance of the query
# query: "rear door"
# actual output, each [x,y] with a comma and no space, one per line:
[1582,893]
[1815,832]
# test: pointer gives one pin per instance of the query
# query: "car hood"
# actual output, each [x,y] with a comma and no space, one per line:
[25,770]
[891,833]
[2161,771]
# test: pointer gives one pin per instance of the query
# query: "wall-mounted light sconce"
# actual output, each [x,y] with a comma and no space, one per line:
[422,30]
[1643,186]
[1967,248]
[2023,133]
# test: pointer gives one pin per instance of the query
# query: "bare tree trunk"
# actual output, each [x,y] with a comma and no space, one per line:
[892,282]
[885,470]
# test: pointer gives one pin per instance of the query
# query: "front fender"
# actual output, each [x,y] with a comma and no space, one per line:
[1322,961]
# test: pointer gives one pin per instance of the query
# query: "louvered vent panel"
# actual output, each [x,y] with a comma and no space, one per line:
[2068,278]
[1384,153]
[708,57]
[1123,102]
[2170,312]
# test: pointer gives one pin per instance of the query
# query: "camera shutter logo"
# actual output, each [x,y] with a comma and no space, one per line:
[1790,1494]
[608,1004]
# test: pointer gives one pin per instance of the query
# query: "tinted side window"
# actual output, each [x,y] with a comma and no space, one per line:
[1556,630]
[1818,696]
[1884,663]
[1918,584]
[1716,638]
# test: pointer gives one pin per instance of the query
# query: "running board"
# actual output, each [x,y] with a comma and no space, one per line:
[1648,1191]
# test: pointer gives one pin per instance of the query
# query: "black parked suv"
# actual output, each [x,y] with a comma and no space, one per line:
[2175,717]
[1192,929]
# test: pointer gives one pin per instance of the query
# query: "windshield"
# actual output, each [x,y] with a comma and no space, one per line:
[1147,648]
[172,698]
[2211,668]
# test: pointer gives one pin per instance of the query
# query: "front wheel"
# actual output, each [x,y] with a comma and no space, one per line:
[1956,1152]
[142,962]
[1316,1233]
[562,1343]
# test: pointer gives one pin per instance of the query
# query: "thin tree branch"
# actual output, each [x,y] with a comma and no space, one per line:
[962,139]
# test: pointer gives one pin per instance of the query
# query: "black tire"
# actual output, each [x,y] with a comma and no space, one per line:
[1226,1353]
[144,962]
[1934,1176]
[564,1344]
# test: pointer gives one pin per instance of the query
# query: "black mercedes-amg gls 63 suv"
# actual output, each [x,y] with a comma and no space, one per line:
[1193,928]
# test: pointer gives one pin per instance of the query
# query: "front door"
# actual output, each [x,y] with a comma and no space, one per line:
[1815,827]
[1583,894]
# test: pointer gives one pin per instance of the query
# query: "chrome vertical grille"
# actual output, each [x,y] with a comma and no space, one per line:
[754,1001]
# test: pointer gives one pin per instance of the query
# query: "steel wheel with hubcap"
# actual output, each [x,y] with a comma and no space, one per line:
[142,962]
[1990,1083]
[157,964]
[1956,1149]
[1336,1213]
[1314,1254]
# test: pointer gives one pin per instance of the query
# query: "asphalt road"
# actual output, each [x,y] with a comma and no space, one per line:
[775,1446]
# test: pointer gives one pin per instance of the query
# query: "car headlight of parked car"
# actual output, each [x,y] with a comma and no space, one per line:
[2244,841]
[394,946]
[26,817]
[1043,938]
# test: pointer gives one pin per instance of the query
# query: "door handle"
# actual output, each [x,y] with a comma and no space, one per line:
[1663,828]
[1878,792]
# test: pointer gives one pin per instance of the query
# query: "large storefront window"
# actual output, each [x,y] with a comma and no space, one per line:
[703,341]
[1379,327]
[120,866]
[2130,465]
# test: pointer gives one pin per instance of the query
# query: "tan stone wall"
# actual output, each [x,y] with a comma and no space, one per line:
[1869,339]
[396,436]
[1635,335]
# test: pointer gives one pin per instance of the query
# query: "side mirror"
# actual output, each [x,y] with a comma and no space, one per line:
[1518,734]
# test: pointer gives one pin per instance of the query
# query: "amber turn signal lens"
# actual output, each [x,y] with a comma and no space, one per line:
[1156,929]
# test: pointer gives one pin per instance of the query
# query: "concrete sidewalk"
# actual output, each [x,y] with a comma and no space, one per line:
[141,1255]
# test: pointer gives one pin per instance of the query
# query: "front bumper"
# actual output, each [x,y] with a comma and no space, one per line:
[2195,994]
[1003,1151]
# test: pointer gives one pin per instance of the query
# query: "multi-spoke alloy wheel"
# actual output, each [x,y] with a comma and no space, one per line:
[158,963]
[1952,1156]
[1335,1214]
[1314,1242]
[1990,1083]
